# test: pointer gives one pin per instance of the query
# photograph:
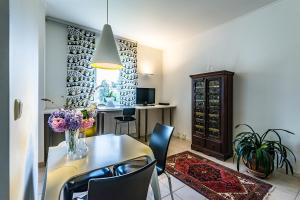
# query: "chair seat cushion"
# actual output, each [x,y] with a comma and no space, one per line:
[125,118]
[80,183]
[131,166]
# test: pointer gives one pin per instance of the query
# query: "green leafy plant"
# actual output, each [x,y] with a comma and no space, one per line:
[110,94]
[260,154]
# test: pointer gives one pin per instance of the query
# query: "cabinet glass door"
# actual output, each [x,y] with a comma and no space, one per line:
[199,107]
[214,108]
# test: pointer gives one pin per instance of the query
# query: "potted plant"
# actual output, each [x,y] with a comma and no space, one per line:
[261,154]
[110,98]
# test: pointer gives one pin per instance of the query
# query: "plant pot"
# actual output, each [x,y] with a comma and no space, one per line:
[88,132]
[258,172]
[110,101]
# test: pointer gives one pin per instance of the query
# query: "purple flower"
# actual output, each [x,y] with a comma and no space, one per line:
[92,114]
[73,120]
[60,113]
[63,120]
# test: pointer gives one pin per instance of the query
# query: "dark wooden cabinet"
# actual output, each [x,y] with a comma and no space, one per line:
[212,113]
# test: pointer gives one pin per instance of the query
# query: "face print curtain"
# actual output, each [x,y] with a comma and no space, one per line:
[81,78]
[128,76]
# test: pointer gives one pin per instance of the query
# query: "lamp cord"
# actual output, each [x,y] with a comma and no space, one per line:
[106,11]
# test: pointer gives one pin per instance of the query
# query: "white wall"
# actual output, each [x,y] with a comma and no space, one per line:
[150,69]
[263,49]
[149,60]
[56,63]
[24,43]
[41,104]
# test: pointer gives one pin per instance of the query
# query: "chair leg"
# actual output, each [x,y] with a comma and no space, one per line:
[116,127]
[136,131]
[170,185]
[128,128]
[68,194]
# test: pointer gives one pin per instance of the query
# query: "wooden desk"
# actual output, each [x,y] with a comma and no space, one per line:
[101,115]
[104,109]
[146,108]
[104,151]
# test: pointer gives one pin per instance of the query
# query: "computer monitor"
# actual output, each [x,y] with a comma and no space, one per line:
[145,96]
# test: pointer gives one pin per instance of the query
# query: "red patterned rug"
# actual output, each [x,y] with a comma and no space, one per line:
[215,181]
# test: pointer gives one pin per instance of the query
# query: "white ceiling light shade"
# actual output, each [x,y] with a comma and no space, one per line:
[106,55]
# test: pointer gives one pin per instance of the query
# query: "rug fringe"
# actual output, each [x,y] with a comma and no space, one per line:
[267,196]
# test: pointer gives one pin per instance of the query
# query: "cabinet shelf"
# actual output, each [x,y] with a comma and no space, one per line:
[213,130]
[199,126]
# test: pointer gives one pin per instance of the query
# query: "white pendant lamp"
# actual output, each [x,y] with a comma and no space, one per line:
[106,55]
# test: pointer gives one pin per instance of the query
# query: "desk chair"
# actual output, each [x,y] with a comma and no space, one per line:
[133,186]
[80,183]
[127,117]
[159,143]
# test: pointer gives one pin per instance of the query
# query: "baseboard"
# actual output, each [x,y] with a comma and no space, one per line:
[297,174]
[186,139]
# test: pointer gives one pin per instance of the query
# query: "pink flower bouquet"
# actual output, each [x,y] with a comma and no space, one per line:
[87,123]
[58,124]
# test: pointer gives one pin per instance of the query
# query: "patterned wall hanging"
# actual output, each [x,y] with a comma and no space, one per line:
[129,77]
[80,76]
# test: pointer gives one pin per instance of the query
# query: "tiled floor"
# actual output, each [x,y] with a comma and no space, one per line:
[286,187]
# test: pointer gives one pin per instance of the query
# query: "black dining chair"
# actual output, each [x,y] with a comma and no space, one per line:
[80,183]
[159,143]
[133,186]
[127,117]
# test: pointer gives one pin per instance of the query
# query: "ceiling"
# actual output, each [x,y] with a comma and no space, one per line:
[156,23]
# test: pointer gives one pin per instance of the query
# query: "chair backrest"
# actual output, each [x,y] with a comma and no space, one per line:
[133,186]
[159,143]
[128,111]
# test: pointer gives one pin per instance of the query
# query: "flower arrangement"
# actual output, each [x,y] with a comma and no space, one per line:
[63,120]
[88,117]
[71,122]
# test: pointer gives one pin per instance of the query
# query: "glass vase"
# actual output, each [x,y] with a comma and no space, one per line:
[82,146]
[71,137]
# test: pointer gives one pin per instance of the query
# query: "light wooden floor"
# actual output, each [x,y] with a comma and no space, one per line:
[286,187]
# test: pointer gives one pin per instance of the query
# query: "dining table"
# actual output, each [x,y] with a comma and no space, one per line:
[103,151]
